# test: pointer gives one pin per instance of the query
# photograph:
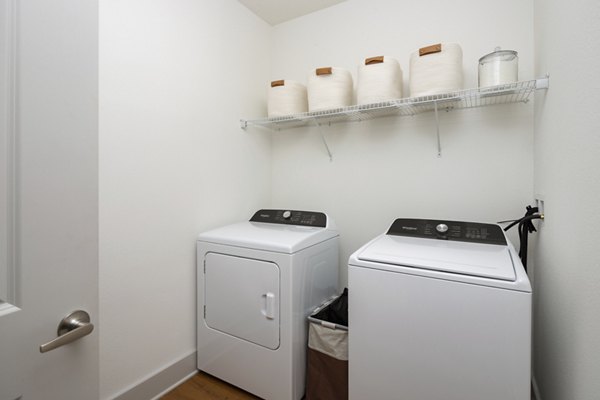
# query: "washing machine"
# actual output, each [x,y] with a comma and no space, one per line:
[439,310]
[257,283]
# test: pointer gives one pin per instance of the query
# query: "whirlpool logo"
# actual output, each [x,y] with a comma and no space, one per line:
[409,228]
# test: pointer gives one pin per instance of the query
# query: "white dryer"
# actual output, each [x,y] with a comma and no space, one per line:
[439,310]
[257,283]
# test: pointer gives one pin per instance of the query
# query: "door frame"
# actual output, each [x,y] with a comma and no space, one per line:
[9,296]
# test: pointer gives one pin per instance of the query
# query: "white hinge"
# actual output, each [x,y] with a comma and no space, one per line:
[204,267]
[204,311]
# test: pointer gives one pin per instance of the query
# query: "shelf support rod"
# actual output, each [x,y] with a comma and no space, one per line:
[314,120]
[437,129]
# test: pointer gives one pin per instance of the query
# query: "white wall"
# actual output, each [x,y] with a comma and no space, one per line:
[175,77]
[567,263]
[388,168]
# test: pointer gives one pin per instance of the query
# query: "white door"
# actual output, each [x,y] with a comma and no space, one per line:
[48,196]
[241,298]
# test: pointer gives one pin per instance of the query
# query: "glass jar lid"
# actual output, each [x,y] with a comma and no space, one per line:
[499,55]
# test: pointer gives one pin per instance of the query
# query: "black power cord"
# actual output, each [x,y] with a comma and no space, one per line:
[525,226]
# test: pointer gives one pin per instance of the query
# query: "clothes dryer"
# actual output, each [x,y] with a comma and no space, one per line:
[257,283]
[439,310]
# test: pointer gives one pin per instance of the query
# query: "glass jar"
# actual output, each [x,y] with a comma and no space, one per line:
[498,68]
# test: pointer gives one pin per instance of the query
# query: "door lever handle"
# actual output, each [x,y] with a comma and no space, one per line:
[72,327]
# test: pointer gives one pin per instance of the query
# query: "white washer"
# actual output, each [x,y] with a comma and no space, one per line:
[257,283]
[439,310]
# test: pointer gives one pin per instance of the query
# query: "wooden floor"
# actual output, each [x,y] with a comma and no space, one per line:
[205,387]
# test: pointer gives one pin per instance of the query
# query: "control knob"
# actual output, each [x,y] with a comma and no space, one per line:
[441,228]
[287,214]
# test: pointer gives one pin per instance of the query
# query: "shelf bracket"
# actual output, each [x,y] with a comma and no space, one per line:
[543,83]
[437,129]
[243,124]
[316,123]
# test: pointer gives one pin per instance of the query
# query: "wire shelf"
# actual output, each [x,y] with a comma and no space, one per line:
[518,92]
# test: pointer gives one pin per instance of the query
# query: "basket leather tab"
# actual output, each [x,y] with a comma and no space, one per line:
[324,71]
[278,83]
[374,60]
[434,48]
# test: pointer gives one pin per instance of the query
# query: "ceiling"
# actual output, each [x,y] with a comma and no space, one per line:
[278,11]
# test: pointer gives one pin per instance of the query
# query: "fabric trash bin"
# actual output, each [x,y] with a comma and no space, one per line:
[327,359]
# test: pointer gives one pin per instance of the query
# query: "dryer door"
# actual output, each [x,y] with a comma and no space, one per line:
[241,296]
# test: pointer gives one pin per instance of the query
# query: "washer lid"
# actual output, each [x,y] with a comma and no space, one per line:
[278,238]
[461,258]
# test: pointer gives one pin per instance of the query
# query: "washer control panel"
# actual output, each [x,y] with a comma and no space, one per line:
[461,231]
[291,217]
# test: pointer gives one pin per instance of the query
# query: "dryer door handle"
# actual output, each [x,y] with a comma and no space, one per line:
[270,305]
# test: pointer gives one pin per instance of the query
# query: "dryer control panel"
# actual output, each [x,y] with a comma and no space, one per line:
[291,217]
[461,231]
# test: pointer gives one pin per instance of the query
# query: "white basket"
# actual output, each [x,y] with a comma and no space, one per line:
[328,88]
[379,80]
[436,69]
[286,97]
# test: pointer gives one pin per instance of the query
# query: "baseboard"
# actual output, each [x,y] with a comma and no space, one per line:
[173,386]
[160,382]
[536,389]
